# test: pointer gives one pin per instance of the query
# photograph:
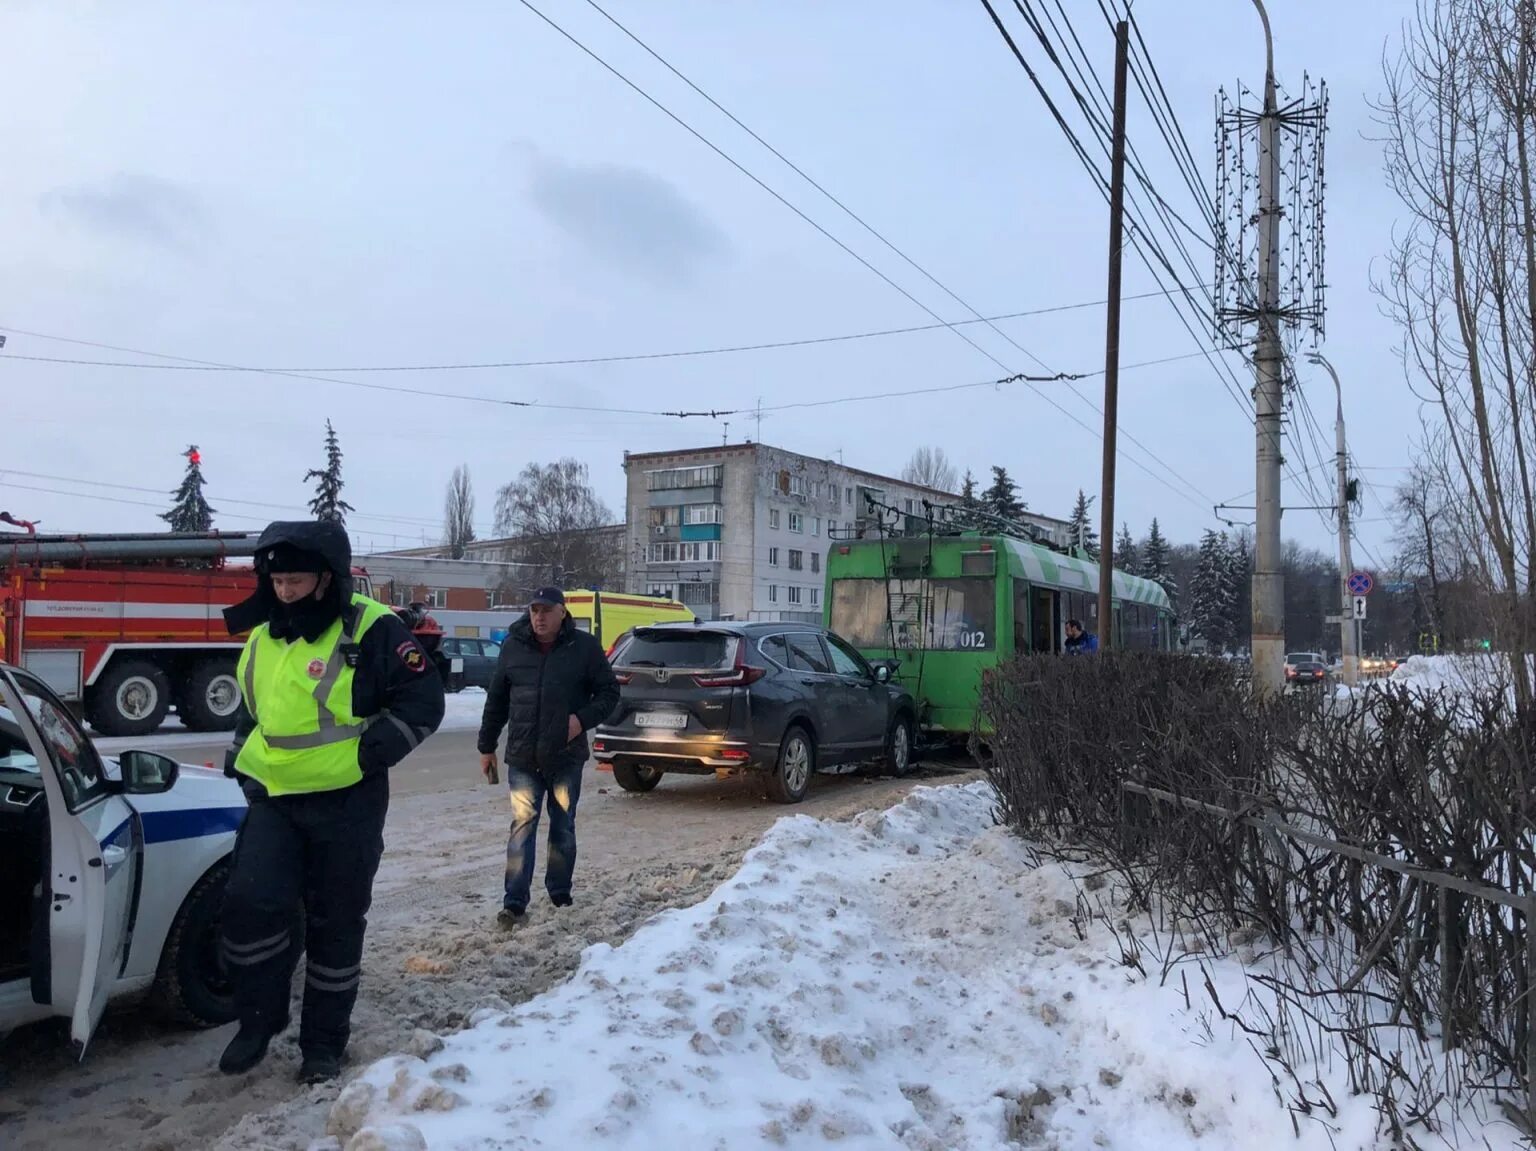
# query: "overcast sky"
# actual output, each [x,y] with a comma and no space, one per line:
[353,184]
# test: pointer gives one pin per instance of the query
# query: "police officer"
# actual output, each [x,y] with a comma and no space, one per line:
[335,693]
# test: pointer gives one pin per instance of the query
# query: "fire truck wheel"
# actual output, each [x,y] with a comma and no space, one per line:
[132,698]
[210,697]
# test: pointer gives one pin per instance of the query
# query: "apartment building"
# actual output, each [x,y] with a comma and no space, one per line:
[742,531]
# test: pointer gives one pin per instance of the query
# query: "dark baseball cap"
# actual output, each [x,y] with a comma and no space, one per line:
[549,595]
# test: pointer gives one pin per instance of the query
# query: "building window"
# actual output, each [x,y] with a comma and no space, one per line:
[815,525]
[702,514]
[437,597]
[773,593]
[773,557]
[773,518]
[670,479]
[399,595]
[815,561]
[663,553]
[796,522]
[696,553]
[797,485]
[848,496]
[796,559]
[794,594]
[815,596]
[490,600]
[699,593]
[664,590]
[664,517]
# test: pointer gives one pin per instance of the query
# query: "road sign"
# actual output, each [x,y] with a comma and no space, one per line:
[1398,587]
[1337,618]
[1359,607]
[1360,583]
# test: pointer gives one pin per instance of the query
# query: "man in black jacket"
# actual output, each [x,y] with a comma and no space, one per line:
[551,686]
[334,692]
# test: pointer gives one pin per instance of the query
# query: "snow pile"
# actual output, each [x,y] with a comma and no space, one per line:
[462,710]
[905,980]
[1457,674]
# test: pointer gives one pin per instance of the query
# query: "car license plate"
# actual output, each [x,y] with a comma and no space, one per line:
[674,720]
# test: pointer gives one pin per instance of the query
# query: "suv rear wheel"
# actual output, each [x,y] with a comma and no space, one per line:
[790,777]
[898,746]
[636,777]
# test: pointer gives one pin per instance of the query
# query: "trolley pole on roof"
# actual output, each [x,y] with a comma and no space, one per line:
[1106,627]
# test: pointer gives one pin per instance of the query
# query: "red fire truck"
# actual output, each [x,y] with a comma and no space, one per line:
[125,626]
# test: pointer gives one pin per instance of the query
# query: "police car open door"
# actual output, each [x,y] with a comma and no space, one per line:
[95,856]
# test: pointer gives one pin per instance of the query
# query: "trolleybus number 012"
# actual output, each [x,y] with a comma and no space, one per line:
[972,640]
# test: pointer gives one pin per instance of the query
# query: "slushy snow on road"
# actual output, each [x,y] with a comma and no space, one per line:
[910,979]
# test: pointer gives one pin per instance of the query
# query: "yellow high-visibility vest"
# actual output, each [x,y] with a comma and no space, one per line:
[300,694]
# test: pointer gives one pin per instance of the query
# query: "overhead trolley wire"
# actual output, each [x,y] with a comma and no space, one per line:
[877,234]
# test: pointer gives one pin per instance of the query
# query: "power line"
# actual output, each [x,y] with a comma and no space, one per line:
[862,223]
[1145,244]
[192,365]
[713,413]
[213,497]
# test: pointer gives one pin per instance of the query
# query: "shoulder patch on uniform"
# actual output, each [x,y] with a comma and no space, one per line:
[316,668]
[410,654]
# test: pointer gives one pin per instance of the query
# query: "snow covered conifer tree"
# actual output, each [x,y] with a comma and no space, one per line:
[191,512]
[1082,534]
[327,503]
[1212,599]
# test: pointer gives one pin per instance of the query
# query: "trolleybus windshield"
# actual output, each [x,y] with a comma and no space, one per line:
[902,614]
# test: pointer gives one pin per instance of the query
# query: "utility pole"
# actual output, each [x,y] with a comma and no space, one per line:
[1268,362]
[1349,649]
[1112,345]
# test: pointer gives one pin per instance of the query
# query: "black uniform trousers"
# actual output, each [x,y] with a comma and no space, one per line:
[319,851]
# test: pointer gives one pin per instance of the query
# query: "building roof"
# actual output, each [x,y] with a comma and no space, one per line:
[439,551]
[750,447]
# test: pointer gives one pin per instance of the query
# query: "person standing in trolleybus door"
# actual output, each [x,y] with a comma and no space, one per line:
[335,693]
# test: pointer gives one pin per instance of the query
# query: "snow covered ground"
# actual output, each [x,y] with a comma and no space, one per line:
[910,979]
[463,709]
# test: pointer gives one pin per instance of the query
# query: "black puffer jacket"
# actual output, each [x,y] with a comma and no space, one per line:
[533,696]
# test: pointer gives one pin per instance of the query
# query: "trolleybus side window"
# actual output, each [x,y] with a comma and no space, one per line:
[962,615]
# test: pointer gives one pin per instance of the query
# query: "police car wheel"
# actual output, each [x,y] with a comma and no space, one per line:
[192,987]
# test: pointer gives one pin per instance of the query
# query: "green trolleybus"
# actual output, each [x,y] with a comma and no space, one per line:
[943,609]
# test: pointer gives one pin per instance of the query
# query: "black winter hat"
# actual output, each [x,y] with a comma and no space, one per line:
[286,559]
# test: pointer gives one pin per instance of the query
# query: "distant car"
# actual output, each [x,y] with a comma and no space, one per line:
[783,699]
[1305,667]
[112,872]
[479,656]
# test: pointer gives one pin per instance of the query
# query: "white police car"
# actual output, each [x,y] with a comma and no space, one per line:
[112,871]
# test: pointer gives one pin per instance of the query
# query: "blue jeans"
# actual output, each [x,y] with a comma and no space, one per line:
[531,791]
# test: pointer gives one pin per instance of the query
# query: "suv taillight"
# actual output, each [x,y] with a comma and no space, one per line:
[736,677]
[739,676]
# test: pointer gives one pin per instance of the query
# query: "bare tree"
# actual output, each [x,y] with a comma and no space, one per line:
[555,514]
[1459,114]
[459,513]
[931,468]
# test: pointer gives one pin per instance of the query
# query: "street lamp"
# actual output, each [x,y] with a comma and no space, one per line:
[1349,638]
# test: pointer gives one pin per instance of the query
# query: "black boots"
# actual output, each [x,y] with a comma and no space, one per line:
[245,1050]
[319,1067]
